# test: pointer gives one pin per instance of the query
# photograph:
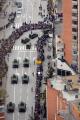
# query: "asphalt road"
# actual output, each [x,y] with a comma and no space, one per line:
[17,93]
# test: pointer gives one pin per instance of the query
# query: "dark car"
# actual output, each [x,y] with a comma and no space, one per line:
[14,79]
[16,63]
[24,41]
[28,46]
[18,4]
[25,79]
[32,36]
[26,63]
[10,107]
[22,107]
[40,7]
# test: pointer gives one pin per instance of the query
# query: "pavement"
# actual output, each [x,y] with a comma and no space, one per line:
[17,93]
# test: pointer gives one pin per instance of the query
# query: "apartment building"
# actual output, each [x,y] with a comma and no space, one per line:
[71,30]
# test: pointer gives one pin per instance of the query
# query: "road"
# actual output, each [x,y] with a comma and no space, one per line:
[17,93]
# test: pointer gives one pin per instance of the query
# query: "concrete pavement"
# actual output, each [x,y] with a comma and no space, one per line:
[19,92]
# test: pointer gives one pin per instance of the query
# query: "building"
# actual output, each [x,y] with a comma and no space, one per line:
[60,104]
[71,30]
[54,103]
[59,47]
[2,113]
[76,109]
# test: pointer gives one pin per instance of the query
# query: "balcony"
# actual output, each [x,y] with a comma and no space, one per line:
[74,25]
[74,2]
[75,10]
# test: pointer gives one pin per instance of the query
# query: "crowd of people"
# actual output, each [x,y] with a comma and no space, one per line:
[39,76]
[51,10]
[7,44]
[10,21]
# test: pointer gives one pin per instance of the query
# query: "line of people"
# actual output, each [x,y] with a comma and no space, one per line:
[10,21]
[7,44]
[39,75]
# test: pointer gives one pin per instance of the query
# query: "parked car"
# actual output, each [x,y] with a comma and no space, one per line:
[10,107]
[22,107]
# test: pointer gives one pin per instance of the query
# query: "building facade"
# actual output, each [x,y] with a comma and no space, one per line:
[71,30]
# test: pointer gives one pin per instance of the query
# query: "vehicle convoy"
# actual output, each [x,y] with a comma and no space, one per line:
[10,107]
[25,63]
[32,36]
[28,46]
[14,79]
[25,41]
[25,79]
[15,63]
[22,107]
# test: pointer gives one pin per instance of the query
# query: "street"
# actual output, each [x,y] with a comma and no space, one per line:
[22,92]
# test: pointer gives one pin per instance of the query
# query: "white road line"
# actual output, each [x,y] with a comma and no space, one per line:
[18,115]
[13,116]
[16,71]
[27,98]
[21,87]
[14,93]
[24,54]
[30,66]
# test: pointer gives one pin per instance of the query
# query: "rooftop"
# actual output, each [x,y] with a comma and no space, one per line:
[54,103]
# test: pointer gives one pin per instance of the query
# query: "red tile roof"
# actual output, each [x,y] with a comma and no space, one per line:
[53,103]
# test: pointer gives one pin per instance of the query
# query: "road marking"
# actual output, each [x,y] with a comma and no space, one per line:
[14,93]
[20,91]
[16,71]
[26,100]
[18,115]
[13,116]
[24,55]
[21,85]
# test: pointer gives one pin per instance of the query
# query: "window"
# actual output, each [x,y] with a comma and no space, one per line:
[74,0]
[75,14]
[74,6]
[74,30]
[74,37]
[74,52]
[75,22]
